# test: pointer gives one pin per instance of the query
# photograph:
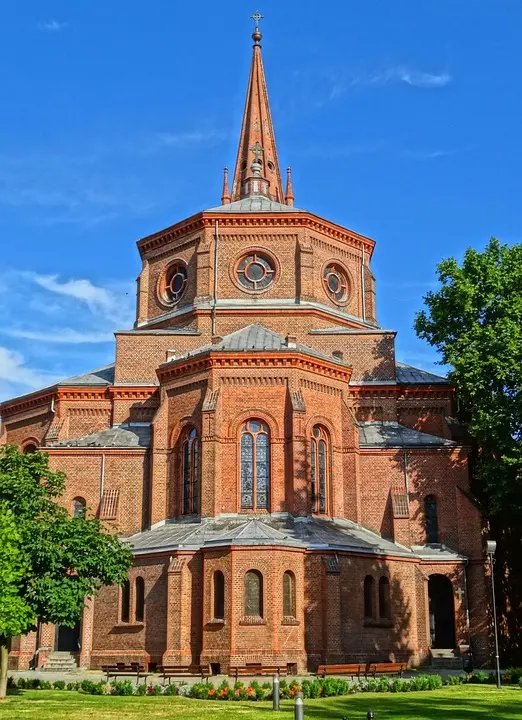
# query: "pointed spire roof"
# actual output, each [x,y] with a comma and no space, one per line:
[257,139]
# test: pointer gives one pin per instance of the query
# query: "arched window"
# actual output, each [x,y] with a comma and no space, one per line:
[431,519]
[219,595]
[78,507]
[190,471]
[255,465]
[384,598]
[30,447]
[139,599]
[369,609]
[320,468]
[125,602]
[253,594]
[289,594]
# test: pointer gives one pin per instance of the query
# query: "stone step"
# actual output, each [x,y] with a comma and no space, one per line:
[60,661]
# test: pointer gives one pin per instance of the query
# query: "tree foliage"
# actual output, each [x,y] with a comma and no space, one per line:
[49,562]
[475,321]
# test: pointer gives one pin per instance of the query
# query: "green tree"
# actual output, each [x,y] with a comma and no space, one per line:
[49,562]
[475,321]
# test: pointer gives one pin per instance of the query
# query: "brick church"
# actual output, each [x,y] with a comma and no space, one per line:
[293,494]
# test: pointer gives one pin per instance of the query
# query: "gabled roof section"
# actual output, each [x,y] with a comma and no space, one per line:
[254,205]
[391,434]
[101,376]
[256,338]
[409,375]
[119,436]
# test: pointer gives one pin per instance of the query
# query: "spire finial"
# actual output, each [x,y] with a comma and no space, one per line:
[225,195]
[256,35]
[289,195]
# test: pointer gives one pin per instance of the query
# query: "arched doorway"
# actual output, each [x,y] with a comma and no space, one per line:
[442,612]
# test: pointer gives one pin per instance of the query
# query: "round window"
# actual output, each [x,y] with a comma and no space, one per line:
[336,283]
[174,283]
[255,271]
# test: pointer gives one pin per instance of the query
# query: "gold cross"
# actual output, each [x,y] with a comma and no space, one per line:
[256,17]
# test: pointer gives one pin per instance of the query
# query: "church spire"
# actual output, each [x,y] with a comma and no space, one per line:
[257,154]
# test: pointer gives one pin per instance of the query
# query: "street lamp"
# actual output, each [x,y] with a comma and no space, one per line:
[491,547]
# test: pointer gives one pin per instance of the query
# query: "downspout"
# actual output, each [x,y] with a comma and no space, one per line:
[102,478]
[214,294]
[406,482]
[363,286]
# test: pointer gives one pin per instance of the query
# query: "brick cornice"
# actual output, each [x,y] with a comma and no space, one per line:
[416,392]
[75,450]
[28,403]
[252,361]
[203,220]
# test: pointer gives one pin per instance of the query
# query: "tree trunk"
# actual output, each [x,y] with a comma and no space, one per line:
[4,659]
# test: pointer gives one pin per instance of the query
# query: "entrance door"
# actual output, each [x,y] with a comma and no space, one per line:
[442,612]
[68,639]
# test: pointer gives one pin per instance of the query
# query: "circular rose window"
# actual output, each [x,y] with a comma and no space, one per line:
[255,271]
[174,283]
[335,283]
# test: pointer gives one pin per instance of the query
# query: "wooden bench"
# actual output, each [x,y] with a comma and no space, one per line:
[253,669]
[386,669]
[355,669]
[121,669]
[173,671]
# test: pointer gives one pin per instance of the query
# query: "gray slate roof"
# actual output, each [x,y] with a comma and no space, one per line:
[101,376]
[238,530]
[254,204]
[409,375]
[119,436]
[387,433]
[257,337]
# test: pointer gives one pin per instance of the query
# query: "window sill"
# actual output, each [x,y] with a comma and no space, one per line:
[288,620]
[369,622]
[252,620]
[216,621]
[128,627]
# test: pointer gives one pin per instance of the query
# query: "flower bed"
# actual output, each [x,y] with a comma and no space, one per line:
[254,691]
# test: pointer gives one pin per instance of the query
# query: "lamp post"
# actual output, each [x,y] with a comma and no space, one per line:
[491,547]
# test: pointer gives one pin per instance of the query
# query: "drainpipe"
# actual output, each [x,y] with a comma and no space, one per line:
[102,478]
[214,294]
[363,286]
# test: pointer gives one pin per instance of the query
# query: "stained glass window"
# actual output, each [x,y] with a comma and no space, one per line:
[254,594]
[431,519]
[255,465]
[289,594]
[319,468]
[190,472]
[369,584]
[384,598]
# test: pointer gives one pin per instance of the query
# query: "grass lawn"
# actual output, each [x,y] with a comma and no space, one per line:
[453,703]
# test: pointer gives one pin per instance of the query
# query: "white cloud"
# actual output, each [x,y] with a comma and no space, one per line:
[66,336]
[187,139]
[415,78]
[53,26]
[14,371]
[96,298]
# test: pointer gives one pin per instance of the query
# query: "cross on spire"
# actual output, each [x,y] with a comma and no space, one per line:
[257,149]
[256,17]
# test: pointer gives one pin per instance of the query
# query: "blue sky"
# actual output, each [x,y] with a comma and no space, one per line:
[401,121]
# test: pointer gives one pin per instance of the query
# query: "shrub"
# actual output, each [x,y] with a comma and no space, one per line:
[224,691]
[383,684]
[184,690]
[45,685]
[520,682]
[11,682]
[73,686]
[59,684]
[21,683]
[87,686]
[513,675]
[141,689]
[122,687]
[454,680]
[479,678]
[32,683]
[202,691]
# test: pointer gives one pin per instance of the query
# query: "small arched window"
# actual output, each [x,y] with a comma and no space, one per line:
[289,605]
[253,594]
[125,602]
[139,599]
[384,598]
[190,471]
[78,507]
[431,519]
[255,465]
[320,468]
[219,595]
[30,447]
[369,608]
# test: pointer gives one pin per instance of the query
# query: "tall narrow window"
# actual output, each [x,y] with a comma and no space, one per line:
[384,598]
[219,595]
[369,611]
[289,594]
[139,599]
[320,468]
[255,465]
[125,602]
[431,519]
[190,472]
[78,507]
[253,594]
